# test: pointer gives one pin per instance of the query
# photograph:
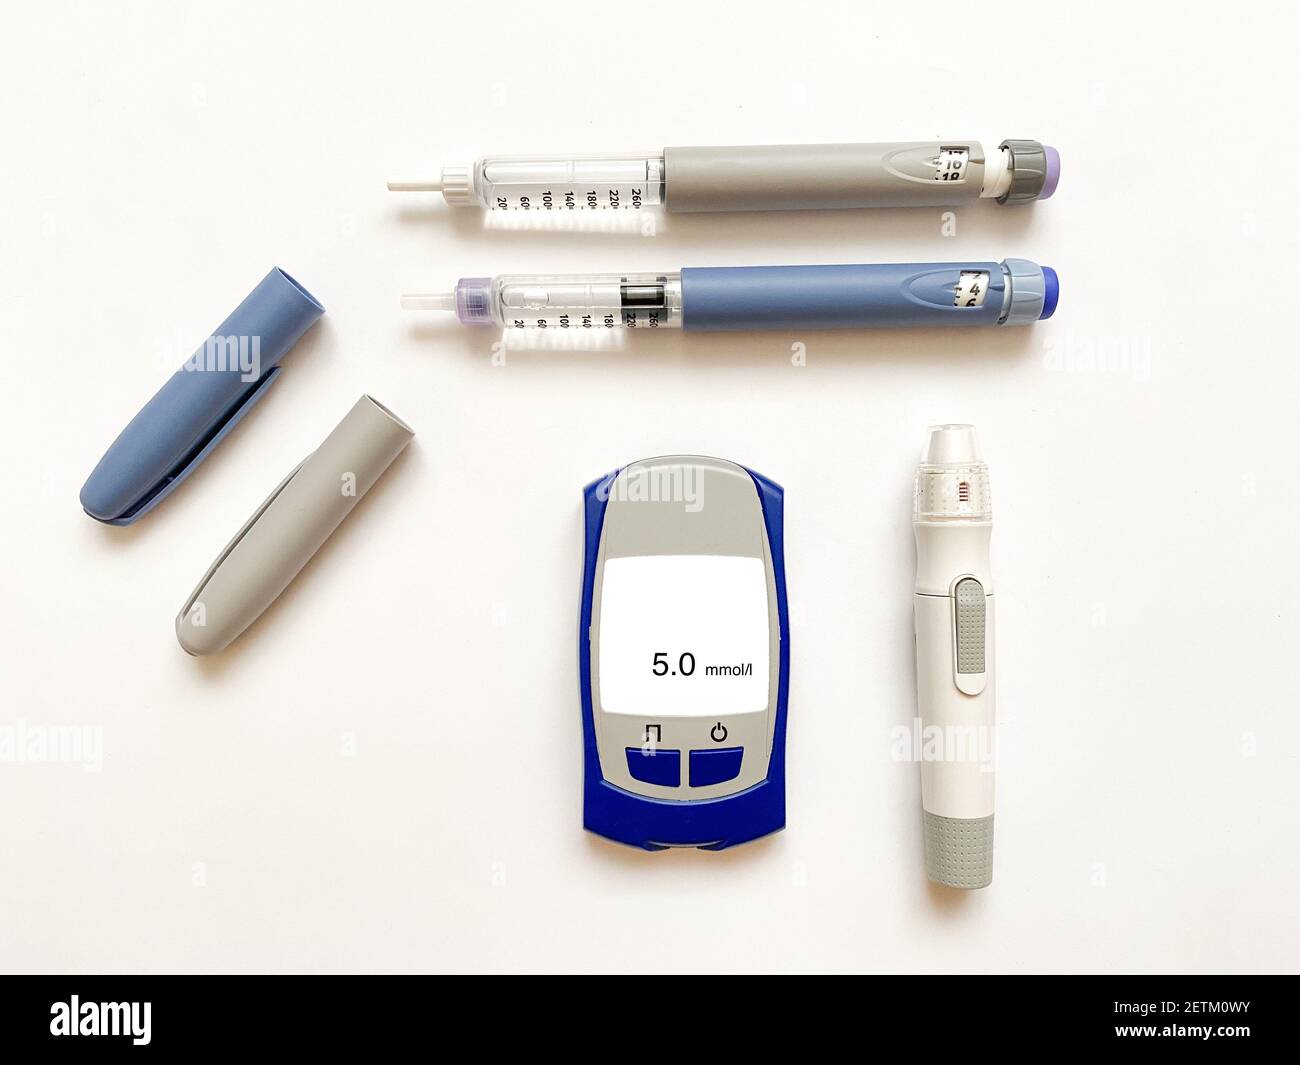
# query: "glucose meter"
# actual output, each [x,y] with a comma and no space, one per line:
[683,655]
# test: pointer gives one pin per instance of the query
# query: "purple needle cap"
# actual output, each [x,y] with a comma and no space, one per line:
[474,300]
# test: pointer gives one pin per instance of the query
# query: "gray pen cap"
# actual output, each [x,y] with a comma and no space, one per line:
[286,530]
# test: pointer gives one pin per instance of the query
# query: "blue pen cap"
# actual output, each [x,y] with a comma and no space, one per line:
[201,402]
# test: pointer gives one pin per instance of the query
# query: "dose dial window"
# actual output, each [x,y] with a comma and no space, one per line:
[951,165]
[684,636]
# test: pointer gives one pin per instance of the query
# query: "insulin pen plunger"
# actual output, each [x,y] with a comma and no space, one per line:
[783,177]
[953,601]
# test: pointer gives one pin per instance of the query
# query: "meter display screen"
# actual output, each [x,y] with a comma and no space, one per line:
[684,636]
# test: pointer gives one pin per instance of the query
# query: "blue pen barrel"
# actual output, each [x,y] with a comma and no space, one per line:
[840,297]
[200,402]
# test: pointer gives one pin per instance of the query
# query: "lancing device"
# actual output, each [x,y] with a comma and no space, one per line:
[783,177]
[953,520]
[1012,292]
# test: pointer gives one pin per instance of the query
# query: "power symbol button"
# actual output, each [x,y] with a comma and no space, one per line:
[718,733]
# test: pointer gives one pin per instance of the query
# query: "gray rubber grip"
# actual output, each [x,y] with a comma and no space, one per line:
[971,605]
[793,177]
[959,850]
[286,530]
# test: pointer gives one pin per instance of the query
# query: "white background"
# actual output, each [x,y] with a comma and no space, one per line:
[384,773]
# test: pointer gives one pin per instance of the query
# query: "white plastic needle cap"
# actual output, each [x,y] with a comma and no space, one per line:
[429,301]
[952,445]
[415,184]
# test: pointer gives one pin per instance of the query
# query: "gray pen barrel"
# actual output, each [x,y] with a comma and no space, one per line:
[793,177]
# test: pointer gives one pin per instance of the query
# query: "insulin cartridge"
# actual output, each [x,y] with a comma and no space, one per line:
[1012,292]
[952,518]
[785,177]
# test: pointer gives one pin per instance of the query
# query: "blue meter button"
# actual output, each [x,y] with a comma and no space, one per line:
[715,766]
[654,765]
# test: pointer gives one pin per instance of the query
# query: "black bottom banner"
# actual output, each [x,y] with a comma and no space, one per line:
[369,1014]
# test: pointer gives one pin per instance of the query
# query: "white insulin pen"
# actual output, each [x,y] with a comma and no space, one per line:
[1012,292]
[953,521]
[783,177]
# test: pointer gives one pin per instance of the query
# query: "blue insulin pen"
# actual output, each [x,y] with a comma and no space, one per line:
[1012,292]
